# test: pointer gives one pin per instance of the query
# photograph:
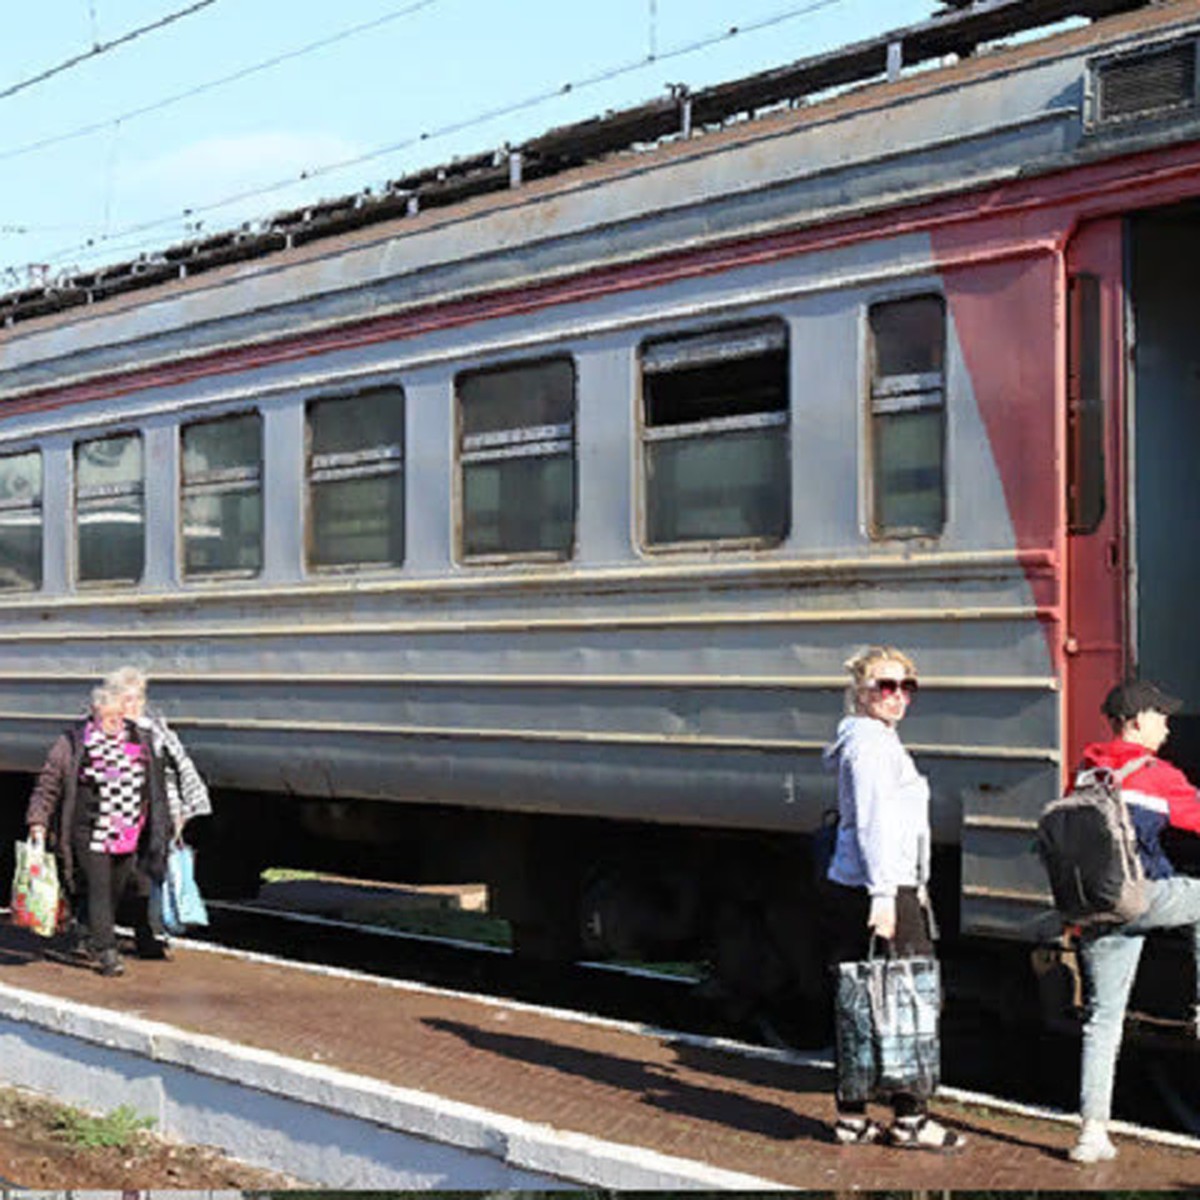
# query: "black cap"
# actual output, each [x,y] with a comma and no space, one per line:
[1135,696]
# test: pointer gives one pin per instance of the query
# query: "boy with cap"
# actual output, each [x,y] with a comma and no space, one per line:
[1156,795]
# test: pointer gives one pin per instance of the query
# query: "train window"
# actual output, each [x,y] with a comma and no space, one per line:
[21,521]
[1085,407]
[109,511]
[517,454]
[715,435]
[222,497]
[356,480]
[908,406]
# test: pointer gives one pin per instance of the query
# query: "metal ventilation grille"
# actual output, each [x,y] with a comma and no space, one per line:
[1148,84]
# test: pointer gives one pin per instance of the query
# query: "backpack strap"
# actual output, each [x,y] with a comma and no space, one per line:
[1130,767]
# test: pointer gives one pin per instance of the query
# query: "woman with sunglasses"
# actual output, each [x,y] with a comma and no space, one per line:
[880,866]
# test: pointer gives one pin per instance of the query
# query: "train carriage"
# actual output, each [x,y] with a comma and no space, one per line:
[514,523]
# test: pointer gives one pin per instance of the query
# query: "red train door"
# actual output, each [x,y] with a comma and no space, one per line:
[1096,644]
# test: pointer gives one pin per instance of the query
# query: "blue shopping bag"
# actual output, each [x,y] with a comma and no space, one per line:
[887,1027]
[182,904]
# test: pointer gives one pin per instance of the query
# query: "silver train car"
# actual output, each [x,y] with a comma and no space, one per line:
[514,523]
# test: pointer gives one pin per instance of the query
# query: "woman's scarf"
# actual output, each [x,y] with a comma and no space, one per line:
[116,768]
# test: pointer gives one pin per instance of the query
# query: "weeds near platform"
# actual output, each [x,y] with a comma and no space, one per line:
[119,1128]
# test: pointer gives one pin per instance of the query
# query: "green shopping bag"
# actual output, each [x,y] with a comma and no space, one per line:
[36,897]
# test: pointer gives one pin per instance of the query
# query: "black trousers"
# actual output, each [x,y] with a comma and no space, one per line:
[105,878]
[849,940]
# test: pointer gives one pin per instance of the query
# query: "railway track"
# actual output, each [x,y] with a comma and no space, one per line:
[599,989]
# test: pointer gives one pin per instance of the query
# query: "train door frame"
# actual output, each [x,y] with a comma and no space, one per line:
[1099,522]
[1162,407]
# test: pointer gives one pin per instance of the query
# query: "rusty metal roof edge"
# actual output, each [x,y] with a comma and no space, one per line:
[948,32]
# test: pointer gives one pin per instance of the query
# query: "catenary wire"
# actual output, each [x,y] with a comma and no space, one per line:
[103,48]
[210,85]
[135,231]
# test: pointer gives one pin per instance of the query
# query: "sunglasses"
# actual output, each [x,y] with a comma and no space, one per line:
[889,687]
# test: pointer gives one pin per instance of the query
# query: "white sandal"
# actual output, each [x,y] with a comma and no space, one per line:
[857,1131]
[924,1133]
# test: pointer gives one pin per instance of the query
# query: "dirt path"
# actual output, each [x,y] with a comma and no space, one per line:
[46,1147]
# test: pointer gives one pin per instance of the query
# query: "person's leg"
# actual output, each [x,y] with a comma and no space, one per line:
[913,1128]
[148,935]
[844,924]
[1110,962]
[102,936]
[1175,903]
[98,908]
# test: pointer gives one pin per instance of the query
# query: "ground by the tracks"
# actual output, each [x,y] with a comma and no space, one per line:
[44,1147]
[762,1120]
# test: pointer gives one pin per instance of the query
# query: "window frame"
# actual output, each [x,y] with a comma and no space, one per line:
[901,393]
[775,334]
[110,490]
[1087,406]
[225,480]
[517,441]
[342,465]
[38,506]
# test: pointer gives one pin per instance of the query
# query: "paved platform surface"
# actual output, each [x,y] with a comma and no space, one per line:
[758,1116]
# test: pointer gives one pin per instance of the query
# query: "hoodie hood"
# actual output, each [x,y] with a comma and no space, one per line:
[1114,754]
[853,733]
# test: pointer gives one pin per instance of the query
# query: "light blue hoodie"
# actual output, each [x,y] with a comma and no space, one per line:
[883,810]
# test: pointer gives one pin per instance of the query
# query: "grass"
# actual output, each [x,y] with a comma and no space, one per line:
[119,1128]
[437,919]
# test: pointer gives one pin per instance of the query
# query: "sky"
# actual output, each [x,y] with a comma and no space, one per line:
[112,157]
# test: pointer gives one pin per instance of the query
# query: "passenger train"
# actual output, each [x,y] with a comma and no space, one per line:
[513,523]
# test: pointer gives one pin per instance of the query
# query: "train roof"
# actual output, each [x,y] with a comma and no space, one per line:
[809,93]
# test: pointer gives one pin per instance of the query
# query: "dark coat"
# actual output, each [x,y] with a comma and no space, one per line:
[52,803]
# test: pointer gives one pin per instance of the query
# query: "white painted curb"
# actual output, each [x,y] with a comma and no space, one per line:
[525,1147]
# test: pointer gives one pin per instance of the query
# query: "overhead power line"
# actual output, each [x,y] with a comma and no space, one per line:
[603,76]
[200,88]
[103,48]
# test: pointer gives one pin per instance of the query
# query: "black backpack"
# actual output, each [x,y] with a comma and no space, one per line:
[1087,844]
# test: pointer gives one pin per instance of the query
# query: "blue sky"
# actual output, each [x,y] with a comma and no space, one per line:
[420,67]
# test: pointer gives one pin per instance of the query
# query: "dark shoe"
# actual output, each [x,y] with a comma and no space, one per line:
[924,1133]
[153,949]
[78,944]
[110,963]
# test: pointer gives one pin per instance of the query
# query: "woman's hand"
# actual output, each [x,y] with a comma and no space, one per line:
[881,920]
[37,835]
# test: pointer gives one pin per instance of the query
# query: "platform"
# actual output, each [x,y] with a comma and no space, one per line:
[346,1081]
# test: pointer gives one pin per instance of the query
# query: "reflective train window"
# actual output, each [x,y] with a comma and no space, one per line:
[907,426]
[517,457]
[222,497]
[356,480]
[715,436]
[21,521]
[109,510]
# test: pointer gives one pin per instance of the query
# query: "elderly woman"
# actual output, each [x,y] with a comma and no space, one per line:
[880,866]
[100,801]
[187,794]
[187,797]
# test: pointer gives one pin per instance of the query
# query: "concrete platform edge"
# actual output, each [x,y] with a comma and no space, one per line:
[480,1148]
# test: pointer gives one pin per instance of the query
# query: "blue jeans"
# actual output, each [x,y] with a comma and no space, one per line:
[1110,961]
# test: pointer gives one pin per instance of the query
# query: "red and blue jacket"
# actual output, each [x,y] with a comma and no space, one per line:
[1157,795]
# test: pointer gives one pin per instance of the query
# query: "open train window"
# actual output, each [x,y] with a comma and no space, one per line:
[21,521]
[356,480]
[715,436]
[517,457]
[109,510]
[222,497]
[907,417]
